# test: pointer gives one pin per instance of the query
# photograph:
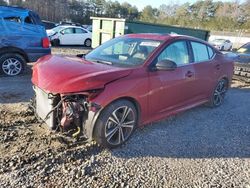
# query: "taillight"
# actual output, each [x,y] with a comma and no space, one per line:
[45,42]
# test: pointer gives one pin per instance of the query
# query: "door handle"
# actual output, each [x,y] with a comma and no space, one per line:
[217,66]
[189,74]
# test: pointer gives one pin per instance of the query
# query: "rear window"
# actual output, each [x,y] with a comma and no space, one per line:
[28,20]
[35,18]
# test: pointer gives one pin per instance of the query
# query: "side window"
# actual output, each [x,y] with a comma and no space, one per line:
[176,52]
[13,19]
[210,52]
[28,20]
[245,49]
[79,31]
[68,31]
[200,52]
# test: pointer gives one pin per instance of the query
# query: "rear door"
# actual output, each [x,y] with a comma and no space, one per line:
[207,68]
[81,35]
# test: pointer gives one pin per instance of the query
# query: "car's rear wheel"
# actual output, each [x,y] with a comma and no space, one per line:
[12,64]
[87,43]
[219,93]
[55,42]
[115,124]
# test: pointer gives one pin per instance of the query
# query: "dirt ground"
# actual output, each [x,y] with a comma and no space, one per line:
[33,156]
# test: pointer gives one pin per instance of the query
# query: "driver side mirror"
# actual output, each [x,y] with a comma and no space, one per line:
[166,65]
[62,32]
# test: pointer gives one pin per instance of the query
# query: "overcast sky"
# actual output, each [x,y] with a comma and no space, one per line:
[156,3]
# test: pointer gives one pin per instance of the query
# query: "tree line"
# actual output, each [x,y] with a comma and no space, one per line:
[205,14]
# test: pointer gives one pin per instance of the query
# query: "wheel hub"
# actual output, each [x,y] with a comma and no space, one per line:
[120,125]
[219,93]
[11,66]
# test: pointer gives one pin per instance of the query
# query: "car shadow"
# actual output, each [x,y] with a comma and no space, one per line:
[202,132]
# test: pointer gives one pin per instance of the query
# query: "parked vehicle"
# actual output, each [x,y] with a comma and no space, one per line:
[222,44]
[129,81]
[242,63]
[48,24]
[69,35]
[22,39]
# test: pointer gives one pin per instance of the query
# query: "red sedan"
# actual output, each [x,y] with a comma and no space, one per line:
[127,82]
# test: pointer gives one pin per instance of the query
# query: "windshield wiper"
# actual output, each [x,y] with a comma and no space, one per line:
[103,62]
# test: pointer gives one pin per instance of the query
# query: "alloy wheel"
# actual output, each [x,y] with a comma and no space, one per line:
[12,66]
[120,125]
[220,92]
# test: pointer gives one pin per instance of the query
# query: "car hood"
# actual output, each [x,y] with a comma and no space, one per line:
[55,74]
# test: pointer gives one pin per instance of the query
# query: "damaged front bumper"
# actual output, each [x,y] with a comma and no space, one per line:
[66,112]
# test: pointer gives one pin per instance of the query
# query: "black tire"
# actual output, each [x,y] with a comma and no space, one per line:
[87,43]
[12,64]
[55,42]
[219,93]
[111,129]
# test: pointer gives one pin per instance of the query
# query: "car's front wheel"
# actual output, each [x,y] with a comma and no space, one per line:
[12,64]
[219,93]
[115,124]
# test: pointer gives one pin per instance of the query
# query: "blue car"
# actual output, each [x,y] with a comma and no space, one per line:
[22,39]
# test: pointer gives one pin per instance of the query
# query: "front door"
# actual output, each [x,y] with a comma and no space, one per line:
[170,90]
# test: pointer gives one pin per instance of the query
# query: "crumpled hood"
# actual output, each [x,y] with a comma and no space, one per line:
[57,74]
[50,32]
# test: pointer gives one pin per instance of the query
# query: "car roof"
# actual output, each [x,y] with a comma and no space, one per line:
[161,36]
[8,11]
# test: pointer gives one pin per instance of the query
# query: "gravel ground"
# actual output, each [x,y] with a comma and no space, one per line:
[202,147]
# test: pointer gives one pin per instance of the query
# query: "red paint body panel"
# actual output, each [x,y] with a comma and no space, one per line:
[56,74]
[157,94]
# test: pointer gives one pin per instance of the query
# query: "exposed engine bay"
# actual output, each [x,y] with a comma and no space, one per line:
[63,112]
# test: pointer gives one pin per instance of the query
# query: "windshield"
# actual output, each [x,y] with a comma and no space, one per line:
[244,49]
[56,29]
[123,51]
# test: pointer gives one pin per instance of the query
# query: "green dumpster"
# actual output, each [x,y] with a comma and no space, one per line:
[104,29]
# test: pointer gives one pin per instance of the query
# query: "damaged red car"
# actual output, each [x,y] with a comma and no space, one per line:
[127,82]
